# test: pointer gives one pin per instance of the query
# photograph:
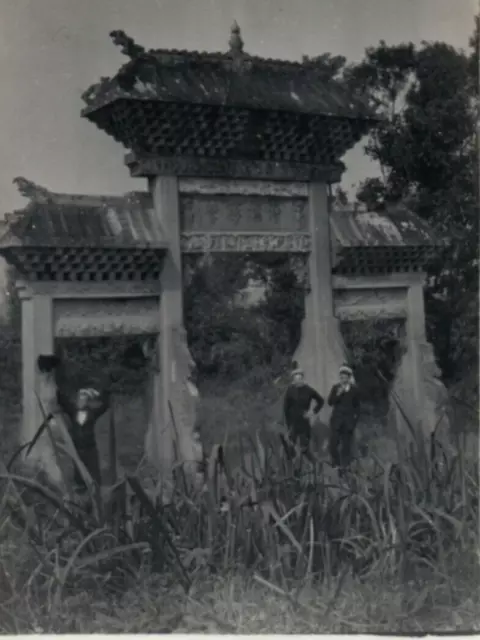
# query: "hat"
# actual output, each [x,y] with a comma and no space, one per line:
[297,371]
[346,369]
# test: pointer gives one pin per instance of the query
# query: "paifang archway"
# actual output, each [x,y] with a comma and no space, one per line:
[238,153]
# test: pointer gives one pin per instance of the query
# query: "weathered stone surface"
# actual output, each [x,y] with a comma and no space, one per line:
[177,444]
[242,213]
[184,401]
[437,410]
[332,355]
[434,414]
[281,242]
[371,302]
[98,317]
[42,455]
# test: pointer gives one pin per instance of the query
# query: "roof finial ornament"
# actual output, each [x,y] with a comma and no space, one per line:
[127,45]
[236,42]
[32,191]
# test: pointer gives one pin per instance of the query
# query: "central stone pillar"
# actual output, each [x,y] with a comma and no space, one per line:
[321,350]
[170,437]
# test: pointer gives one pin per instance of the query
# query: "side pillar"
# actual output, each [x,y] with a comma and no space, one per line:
[415,338]
[172,428]
[38,390]
[422,397]
[321,350]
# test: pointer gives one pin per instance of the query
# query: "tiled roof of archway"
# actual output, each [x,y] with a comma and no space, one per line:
[232,78]
[67,220]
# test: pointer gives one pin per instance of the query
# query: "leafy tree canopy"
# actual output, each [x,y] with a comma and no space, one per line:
[426,150]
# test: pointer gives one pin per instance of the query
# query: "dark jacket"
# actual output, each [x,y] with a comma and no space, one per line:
[346,405]
[297,401]
[83,435]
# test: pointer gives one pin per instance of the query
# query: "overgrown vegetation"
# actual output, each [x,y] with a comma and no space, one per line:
[286,529]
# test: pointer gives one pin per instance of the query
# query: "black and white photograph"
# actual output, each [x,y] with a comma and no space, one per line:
[239,317]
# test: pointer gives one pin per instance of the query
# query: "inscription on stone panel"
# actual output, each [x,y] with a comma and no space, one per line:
[96,317]
[245,242]
[242,213]
[356,304]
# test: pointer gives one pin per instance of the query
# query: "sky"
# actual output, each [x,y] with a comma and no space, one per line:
[51,51]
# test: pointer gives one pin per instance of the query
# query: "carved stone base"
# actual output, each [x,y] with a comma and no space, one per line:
[428,415]
[184,401]
[437,412]
[42,457]
[320,353]
[170,443]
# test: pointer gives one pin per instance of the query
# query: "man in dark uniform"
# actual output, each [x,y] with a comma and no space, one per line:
[301,404]
[83,414]
[344,399]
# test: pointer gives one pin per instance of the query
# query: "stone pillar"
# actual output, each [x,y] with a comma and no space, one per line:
[415,338]
[38,390]
[171,434]
[321,350]
[31,413]
[417,387]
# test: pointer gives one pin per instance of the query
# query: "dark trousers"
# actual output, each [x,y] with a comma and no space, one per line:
[89,457]
[300,432]
[341,440]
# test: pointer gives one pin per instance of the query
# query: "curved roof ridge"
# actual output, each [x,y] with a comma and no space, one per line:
[61,219]
[215,71]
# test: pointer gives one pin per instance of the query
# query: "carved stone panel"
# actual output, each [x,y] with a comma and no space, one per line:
[216,186]
[245,242]
[96,317]
[236,212]
[358,304]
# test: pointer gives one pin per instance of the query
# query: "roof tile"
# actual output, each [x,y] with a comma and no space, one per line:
[267,85]
[76,221]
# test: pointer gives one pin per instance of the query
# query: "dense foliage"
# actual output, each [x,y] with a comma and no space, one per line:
[426,149]
[228,335]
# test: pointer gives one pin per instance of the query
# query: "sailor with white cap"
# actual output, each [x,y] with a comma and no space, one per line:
[301,403]
[344,399]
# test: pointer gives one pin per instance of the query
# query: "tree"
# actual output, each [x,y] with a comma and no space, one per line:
[426,150]
[226,338]
[338,198]
[283,309]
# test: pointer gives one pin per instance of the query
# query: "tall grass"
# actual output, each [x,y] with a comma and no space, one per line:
[288,525]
